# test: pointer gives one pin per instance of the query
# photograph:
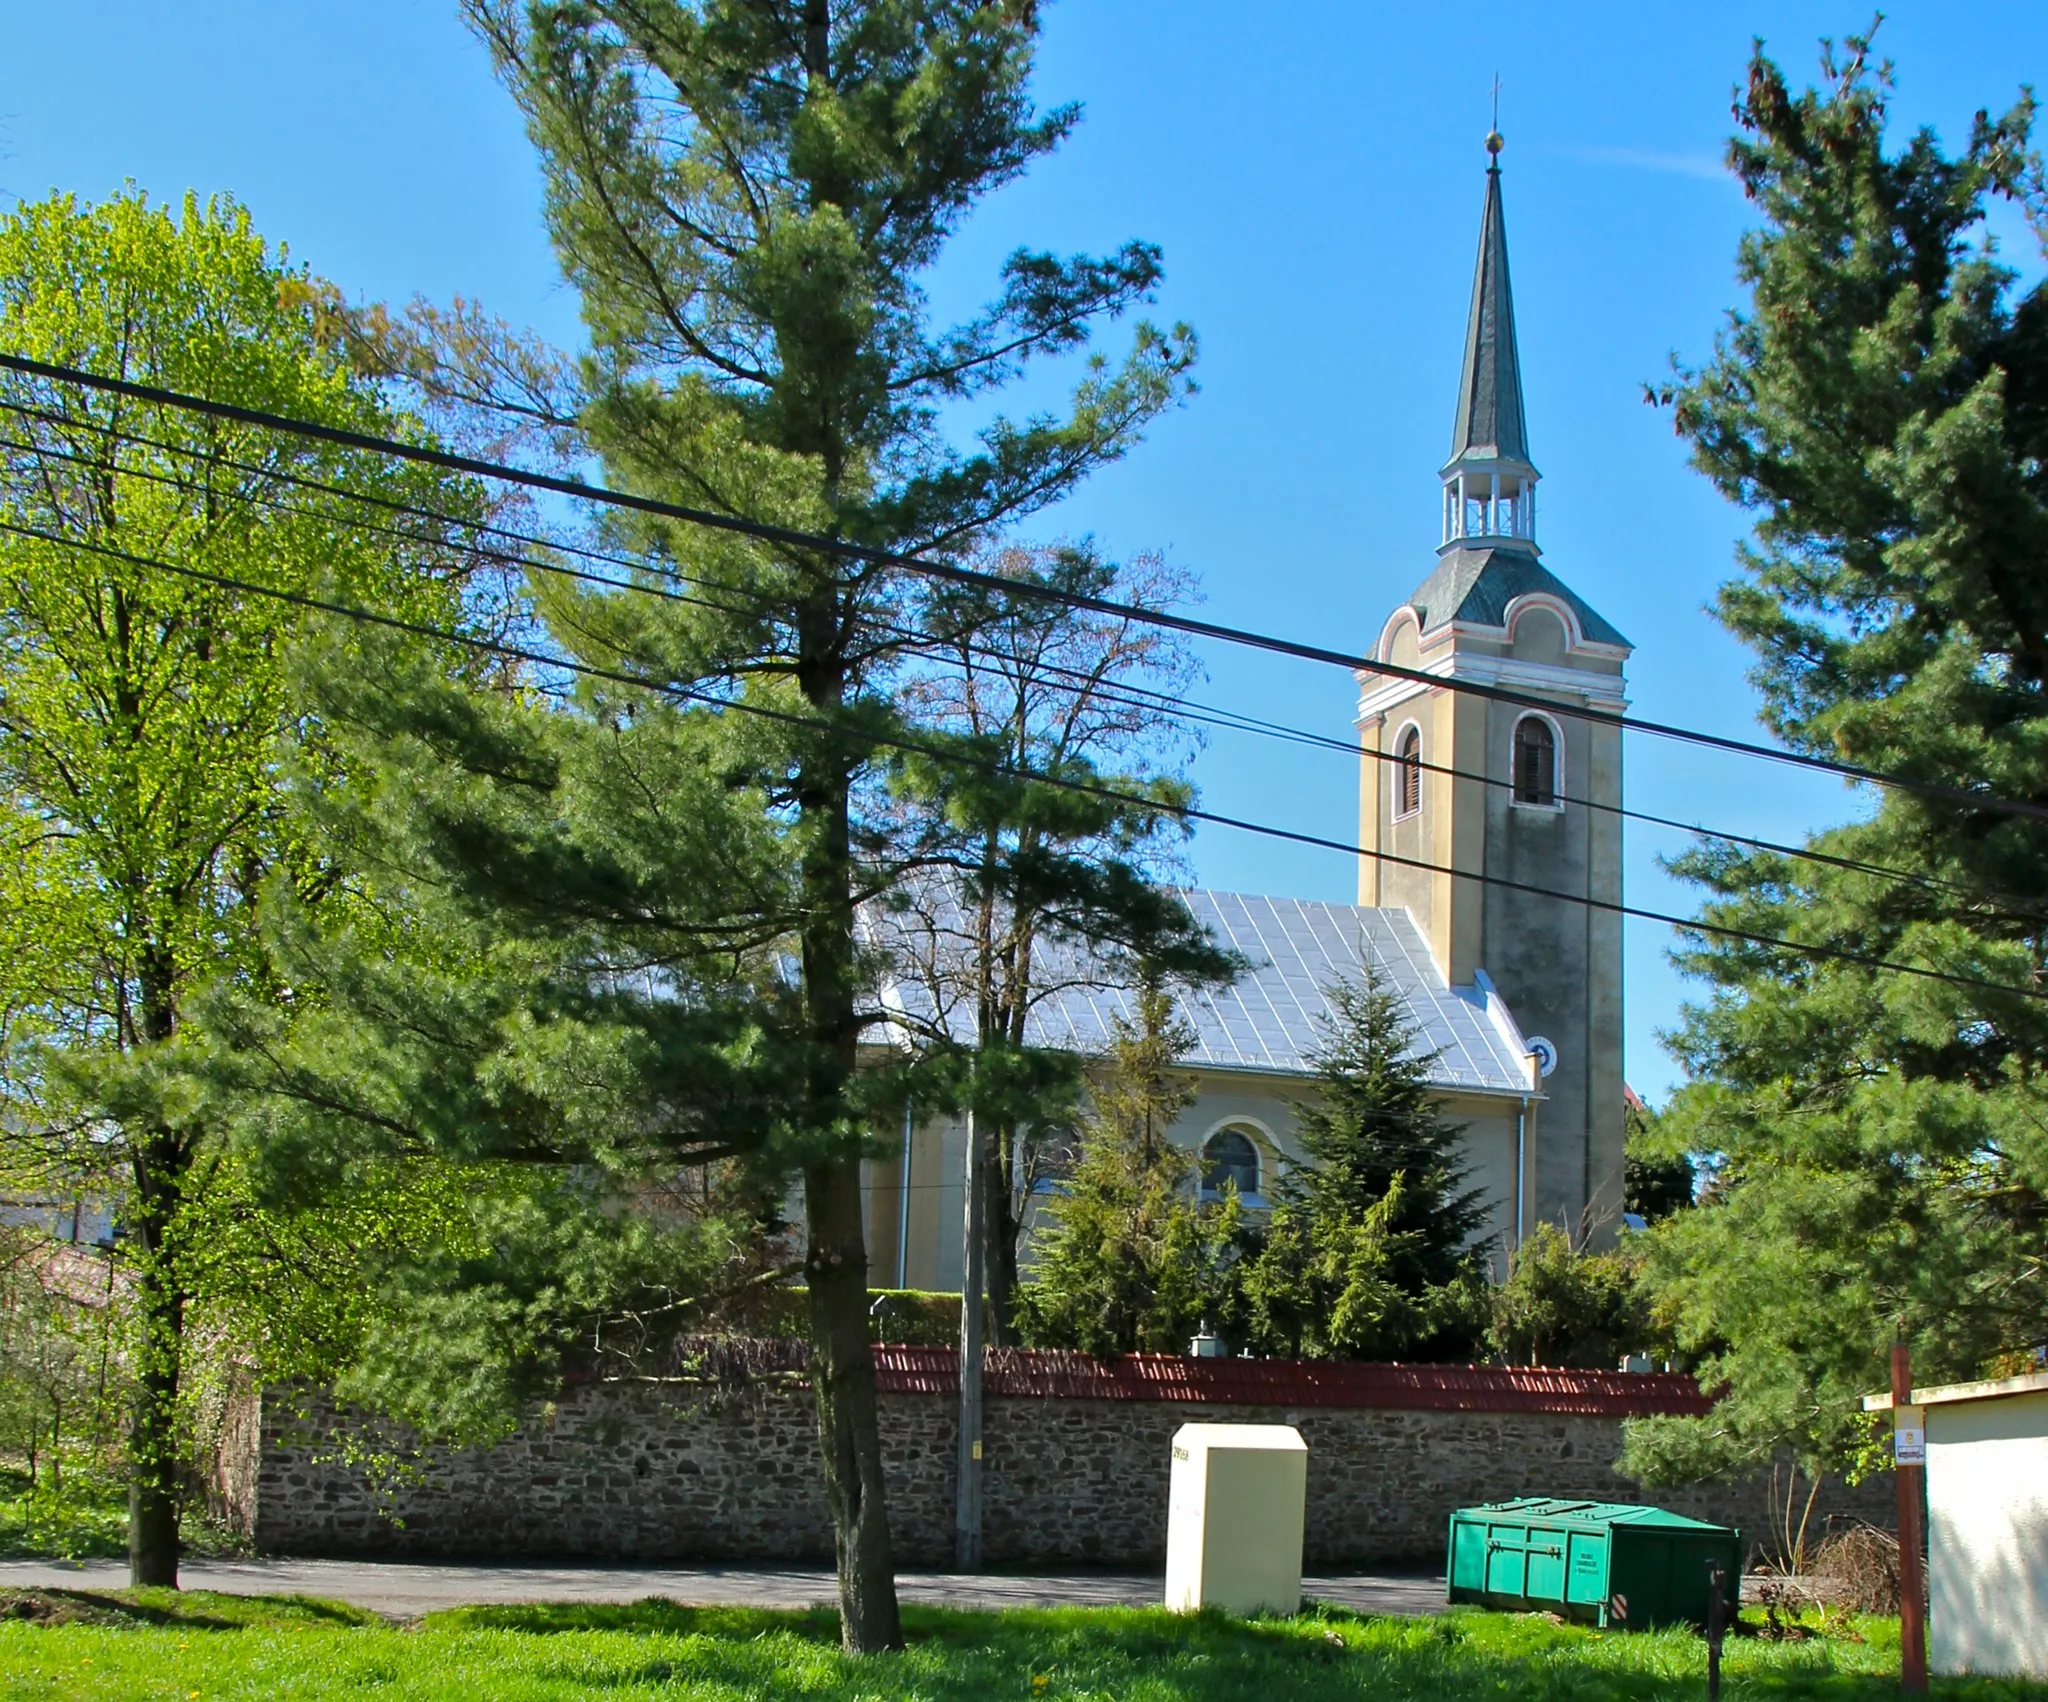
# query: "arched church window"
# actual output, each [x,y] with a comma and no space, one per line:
[1230,1159]
[1535,762]
[1408,772]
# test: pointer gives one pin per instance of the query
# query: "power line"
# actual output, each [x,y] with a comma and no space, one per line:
[925,643]
[708,700]
[796,538]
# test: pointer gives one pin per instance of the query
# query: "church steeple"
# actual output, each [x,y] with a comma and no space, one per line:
[1489,481]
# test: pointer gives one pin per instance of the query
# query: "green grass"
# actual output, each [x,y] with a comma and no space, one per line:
[157,1645]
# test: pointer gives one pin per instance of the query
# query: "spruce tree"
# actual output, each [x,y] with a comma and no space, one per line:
[1370,1252]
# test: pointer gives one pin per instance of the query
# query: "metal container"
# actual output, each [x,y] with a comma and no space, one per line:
[1605,1562]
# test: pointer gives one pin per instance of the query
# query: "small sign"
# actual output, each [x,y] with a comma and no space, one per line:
[1909,1436]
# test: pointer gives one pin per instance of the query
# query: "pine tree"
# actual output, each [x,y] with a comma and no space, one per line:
[748,196]
[1880,405]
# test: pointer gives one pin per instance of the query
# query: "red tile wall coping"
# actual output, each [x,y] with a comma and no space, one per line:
[1025,1372]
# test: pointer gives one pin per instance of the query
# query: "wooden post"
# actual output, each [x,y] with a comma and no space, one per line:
[1717,1625]
[967,1475]
[1912,1475]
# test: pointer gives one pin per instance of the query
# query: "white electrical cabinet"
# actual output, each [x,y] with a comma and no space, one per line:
[1234,1518]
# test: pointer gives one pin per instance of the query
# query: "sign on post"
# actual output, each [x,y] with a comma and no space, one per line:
[1909,1436]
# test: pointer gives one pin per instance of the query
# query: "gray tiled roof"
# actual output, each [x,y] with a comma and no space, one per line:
[1478,585]
[1267,1022]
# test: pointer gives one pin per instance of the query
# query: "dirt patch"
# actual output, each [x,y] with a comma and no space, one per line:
[66,1607]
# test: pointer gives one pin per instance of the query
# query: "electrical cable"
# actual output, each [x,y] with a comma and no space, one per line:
[926,644]
[540,659]
[796,538]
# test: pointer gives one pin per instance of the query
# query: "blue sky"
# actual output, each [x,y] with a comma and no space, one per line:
[1313,171]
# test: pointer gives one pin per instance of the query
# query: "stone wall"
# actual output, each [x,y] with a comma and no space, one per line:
[679,1472]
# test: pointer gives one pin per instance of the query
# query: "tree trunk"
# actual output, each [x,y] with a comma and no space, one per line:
[849,1431]
[160,1159]
[999,1215]
[153,1454]
[973,1294]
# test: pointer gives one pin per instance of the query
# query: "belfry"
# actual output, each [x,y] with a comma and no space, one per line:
[1495,823]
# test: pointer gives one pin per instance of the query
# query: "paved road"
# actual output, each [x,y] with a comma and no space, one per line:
[404,1592]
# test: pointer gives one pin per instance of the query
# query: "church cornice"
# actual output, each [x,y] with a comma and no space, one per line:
[1603,693]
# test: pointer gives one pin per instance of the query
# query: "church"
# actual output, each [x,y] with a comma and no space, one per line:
[1491,839]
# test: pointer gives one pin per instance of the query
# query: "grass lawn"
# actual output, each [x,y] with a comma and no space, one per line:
[155,1644]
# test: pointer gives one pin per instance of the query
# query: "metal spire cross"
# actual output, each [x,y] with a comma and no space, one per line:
[1493,141]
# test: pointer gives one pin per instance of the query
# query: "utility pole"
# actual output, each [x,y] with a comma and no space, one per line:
[967,1477]
[1909,1461]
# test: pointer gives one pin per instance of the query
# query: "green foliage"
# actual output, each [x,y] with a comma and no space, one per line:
[1656,1181]
[1369,1253]
[146,721]
[1880,405]
[1129,1260]
[1567,1305]
[915,1316]
[149,1644]
[547,1273]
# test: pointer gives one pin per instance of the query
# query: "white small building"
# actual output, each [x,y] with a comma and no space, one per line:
[1987,1525]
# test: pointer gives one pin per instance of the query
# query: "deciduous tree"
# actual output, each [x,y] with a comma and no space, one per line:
[145,718]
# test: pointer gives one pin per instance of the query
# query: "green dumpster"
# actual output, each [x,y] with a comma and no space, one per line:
[1601,1561]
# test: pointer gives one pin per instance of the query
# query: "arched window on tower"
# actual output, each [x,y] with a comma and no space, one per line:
[1535,762]
[1230,1159]
[1408,772]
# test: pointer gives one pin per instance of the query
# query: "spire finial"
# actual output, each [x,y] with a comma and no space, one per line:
[1494,140]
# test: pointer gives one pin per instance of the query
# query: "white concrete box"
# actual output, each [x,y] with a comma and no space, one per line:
[1234,1518]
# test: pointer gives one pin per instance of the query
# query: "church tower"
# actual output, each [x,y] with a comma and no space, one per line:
[1455,784]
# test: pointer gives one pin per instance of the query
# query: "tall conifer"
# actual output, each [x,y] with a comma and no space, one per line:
[748,195]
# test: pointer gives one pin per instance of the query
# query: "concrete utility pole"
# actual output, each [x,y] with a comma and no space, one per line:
[967,1478]
[1909,1462]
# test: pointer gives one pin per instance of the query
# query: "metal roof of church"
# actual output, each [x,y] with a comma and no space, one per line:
[1267,1022]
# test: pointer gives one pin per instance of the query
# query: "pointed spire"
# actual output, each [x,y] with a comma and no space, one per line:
[1489,482]
[1490,423]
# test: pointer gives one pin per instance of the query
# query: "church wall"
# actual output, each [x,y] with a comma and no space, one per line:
[1410,836]
[1538,951]
[1268,1106]
[1606,1060]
